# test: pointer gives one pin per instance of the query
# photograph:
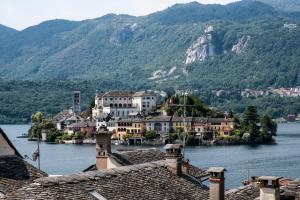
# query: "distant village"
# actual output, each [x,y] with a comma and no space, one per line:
[282,92]
[135,117]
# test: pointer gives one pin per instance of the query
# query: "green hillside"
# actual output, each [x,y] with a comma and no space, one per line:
[204,47]
[284,5]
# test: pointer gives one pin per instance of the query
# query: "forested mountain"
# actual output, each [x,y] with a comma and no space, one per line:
[6,32]
[247,44]
[284,5]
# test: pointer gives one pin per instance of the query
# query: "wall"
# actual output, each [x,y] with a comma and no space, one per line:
[5,149]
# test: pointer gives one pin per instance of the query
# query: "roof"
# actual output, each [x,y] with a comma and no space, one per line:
[74,118]
[160,119]
[62,116]
[248,192]
[132,120]
[180,119]
[173,146]
[144,93]
[15,172]
[144,181]
[82,124]
[220,120]
[140,156]
[9,143]
[292,188]
[118,94]
[216,169]
[269,178]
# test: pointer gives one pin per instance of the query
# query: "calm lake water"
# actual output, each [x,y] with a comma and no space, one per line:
[282,159]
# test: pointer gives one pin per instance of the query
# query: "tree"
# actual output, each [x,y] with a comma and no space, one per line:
[53,135]
[268,128]
[126,136]
[37,117]
[150,135]
[250,120]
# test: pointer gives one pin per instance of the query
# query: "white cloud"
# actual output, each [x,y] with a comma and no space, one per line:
[20,14]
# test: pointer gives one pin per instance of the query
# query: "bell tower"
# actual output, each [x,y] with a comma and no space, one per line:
[103,147]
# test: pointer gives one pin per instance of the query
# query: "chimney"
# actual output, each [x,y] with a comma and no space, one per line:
[269,188]
[186,166]
[217,183]
[174,158]
[103,147]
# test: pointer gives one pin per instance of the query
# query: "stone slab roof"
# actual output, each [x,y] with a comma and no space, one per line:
[144,181]
[140,156]
[248,192]
[292,189]
[15,172]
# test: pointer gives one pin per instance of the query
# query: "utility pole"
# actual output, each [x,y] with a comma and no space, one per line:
[38,150]
[184,121]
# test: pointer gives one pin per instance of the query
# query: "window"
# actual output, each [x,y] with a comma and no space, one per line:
[148,97]
[105,99]
[111,99]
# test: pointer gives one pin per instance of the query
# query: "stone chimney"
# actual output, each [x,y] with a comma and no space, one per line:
[217,183]
[186,166]
[174,158]
[103,147]
[269,188]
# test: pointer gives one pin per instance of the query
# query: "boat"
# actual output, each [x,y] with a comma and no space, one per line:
[24,135]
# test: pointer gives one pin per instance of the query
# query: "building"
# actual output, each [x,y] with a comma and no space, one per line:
[221,126]
[76,102]
[134,126]
[145,101]
[148,174]
[87,128]
[179,123]
[15,172]
[161,124]
[121,104]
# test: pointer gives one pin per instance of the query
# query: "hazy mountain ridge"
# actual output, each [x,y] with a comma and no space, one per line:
[122,46]
[284,5]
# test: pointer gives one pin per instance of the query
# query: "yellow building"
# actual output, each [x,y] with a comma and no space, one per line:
[135,127]
[178,123]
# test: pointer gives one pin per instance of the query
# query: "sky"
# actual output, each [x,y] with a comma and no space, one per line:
[20,14]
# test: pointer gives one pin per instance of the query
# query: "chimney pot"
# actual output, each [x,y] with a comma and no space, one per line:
[174,158]
[269,187]
[217,183]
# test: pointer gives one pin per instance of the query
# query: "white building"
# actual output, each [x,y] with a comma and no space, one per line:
[121,104]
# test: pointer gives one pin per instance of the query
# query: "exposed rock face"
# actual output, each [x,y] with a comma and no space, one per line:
[202,48]
[242,44]
[124,34]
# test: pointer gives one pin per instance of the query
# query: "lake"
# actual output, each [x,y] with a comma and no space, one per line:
[282,159]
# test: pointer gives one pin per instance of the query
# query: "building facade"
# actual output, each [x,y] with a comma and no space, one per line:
[121,104]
